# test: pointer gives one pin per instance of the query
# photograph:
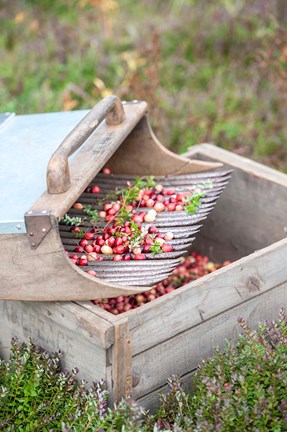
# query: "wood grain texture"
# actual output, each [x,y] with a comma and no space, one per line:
[90,158]
[120,369]
[46,274]
[250,214]
[55,328]
[101,313]
[208,296]
[58,173]
[232,159]
[150,401]
[142,154]
[181,354]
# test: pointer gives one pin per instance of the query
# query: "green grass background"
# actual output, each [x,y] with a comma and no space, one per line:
[211,71]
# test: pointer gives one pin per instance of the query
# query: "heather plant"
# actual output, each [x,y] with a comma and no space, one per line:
[243,388]
[35,395]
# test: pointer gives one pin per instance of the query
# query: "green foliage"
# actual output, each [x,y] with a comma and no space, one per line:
[73,221]
[123,216]
[242,388]
[79,234]
[192,202]
[130,194]
[36,395]
[137,236]
[156,248]
[212,74]
[92,213]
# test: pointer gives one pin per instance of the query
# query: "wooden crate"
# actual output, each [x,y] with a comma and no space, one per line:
[137,351]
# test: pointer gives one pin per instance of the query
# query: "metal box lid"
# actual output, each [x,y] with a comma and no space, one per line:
[26,144]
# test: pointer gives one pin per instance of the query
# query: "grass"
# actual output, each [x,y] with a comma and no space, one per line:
[212,73]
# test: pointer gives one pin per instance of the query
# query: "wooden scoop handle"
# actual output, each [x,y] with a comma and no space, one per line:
[58,173]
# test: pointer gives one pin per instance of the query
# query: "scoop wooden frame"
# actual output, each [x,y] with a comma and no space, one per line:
[58,173]
[35,266]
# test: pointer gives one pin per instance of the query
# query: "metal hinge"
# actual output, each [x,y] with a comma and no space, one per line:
[38,224]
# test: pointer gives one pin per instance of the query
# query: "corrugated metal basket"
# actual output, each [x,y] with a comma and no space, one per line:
[38,189]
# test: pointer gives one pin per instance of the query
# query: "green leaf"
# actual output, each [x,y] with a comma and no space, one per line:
[73,221]
[192,202]
[156,248]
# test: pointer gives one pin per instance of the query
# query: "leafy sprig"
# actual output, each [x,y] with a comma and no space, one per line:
[192,202]
[73,221]
[92,213]
[137,236]
[123,216]
[156,248]
[79,234]
[130,194]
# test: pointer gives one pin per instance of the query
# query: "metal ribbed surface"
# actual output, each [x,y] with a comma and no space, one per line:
[184,226]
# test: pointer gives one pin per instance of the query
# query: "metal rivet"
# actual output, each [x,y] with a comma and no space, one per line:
[44,230]
[33,244]
[31,234]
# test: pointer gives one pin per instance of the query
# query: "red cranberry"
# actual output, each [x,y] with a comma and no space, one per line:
[89,248]
[152,229]
[166,247]
[119,249]
[106,170]
[92,273]
[127,257]
[89,236]
[95,189]
[78,249]
[118,241]
[117,257]
[111,241]
[140,257]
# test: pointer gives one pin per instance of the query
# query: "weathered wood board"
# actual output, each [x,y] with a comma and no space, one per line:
[252,208]
[137,351]
[82,337]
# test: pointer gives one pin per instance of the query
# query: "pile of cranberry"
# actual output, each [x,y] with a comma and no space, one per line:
[193,267]
[129,230]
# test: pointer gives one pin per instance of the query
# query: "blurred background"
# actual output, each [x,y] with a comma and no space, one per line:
[210,70]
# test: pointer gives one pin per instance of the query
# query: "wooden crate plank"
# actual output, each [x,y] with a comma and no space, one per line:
[150,401]
[208,296]
[133,157]
[101,313]
[182,353]
[75,319]
[25,321]
[253,168]
[244,217]
[119,374]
